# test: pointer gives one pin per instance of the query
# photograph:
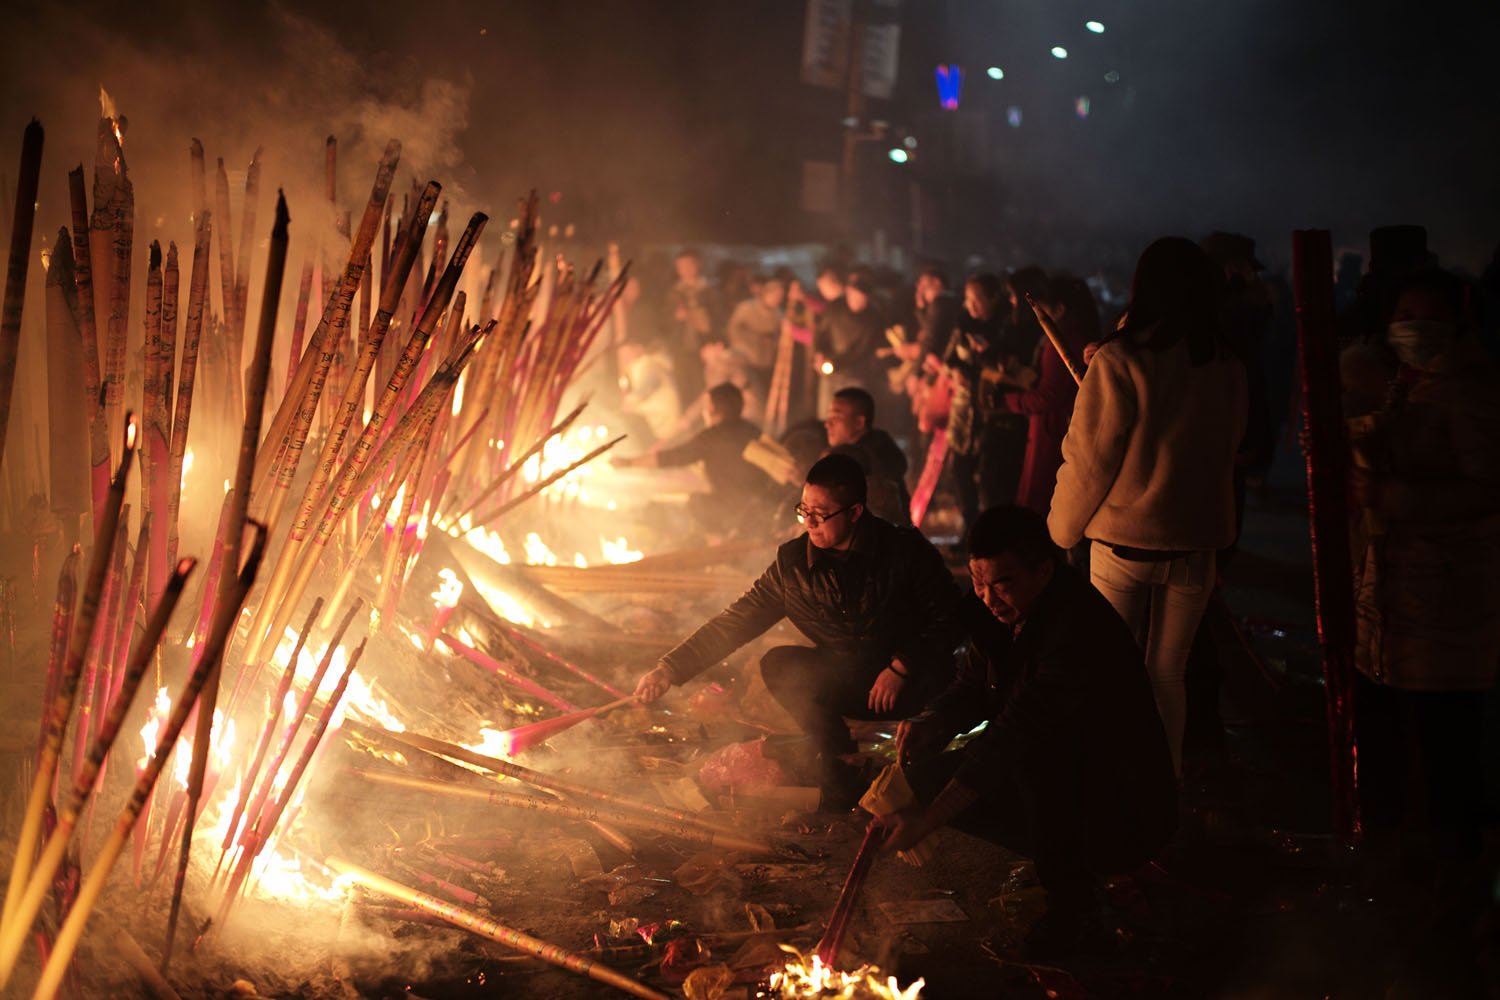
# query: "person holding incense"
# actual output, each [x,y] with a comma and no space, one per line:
[737,489]
[876,600]
[1072,768]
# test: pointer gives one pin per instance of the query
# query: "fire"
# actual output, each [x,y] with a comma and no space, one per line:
[492,743]
[359,697]
[801,978]
[187,466]
[617,551]
[508,607]
[537,553]
[450,590]
[485,541]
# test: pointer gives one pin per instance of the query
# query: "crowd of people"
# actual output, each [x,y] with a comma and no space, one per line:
[1100,465]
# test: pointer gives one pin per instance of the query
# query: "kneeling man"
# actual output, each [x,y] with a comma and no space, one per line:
[877,601]
[1072,768]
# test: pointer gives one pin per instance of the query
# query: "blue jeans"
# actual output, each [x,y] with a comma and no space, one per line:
[1162,602]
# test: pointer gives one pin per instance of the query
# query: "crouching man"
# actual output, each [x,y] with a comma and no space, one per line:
[1072,769]
[878,603]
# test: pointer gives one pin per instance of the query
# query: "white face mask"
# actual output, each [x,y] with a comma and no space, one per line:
[1418,341]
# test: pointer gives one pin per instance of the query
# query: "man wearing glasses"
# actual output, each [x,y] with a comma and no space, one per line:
[876,600]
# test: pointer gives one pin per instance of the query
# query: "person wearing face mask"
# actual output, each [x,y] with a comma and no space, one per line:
[877,602]
[1426,471]
[1072,768]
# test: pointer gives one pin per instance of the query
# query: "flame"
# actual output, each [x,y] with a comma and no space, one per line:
[107,107]
[580,561]
[492,743]
[450,590]
[485,541]
[618,551]
[509,608]
[537,553]
[187,465]
[801,978]
[458,392]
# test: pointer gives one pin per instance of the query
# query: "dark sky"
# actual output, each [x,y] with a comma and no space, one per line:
[669,120]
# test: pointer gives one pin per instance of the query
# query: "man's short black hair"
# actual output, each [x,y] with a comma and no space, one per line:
[728,400]
[1016,530]
[841,476]
[862,402]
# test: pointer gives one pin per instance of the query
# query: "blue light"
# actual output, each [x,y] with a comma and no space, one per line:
[897,155]
[995,73]
[1058,52]
[1094,26]
[950,84]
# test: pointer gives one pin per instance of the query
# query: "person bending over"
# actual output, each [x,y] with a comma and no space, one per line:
[878,603]
[737,490]
[1072,768]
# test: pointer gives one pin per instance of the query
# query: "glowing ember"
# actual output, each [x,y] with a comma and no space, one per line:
[617,551]
[492,743]
[801,978]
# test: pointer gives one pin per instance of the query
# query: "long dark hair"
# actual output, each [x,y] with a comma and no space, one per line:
[1175,294]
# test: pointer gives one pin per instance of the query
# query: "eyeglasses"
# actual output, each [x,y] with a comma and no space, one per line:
[813,518]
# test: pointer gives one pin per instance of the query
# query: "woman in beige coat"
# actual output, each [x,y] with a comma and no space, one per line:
[1148,462]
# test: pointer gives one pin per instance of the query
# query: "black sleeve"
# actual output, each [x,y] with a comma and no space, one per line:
[756,610]
[692,450]
[935,605]
[1035,715]
[963,704]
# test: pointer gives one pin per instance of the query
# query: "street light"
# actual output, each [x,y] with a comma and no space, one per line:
[1094,26]
[1058,52]
[897,155]
[995,73]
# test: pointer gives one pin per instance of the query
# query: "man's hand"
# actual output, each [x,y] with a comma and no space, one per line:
[903,830]
[917,738]
[653,684]
[886,687]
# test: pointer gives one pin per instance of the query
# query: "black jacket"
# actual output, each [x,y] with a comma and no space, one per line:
[891,596]
[721,450]
[884,464]
[1067,701]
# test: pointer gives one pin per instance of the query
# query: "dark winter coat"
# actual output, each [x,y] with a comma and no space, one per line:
[891,595]
[1067,701]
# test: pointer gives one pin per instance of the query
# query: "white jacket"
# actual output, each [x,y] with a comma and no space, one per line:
[1148,460]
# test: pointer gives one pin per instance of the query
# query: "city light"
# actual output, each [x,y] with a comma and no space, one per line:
[897,155]
[1095,27]
[1113,76]
[1013,116]
[1058,52]
[910,142]
[1081,107]
[995,73]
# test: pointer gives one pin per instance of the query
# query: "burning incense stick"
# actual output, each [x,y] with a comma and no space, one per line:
[94,401]
[15,273]
[93,882]
[260,835]
[62,627]
[838,922]
[56,720]
[488,928]
[182,412]
[583,813]
[505,673]
[83,783]
[283,686]
[259,376]
[572,789]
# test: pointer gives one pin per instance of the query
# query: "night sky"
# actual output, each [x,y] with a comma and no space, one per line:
[668,121]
